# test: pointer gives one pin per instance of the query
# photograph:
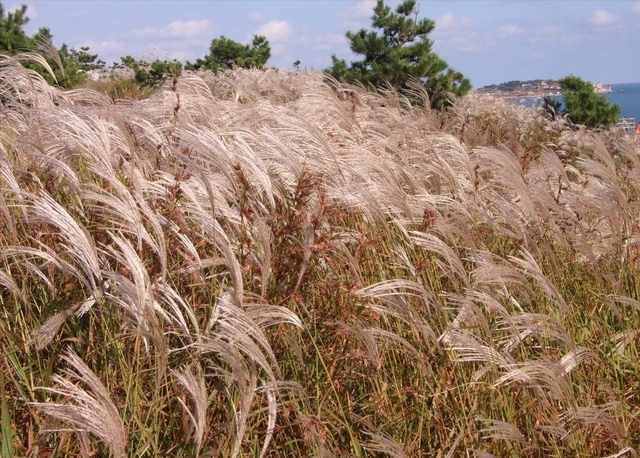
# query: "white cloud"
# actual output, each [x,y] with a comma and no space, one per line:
[552,33]
[454,33]
[509,30]
[31,10]
[450,21]
[325,41]
[182,30]
[276,31]
[256,17]
[279,50]
[602,18]
[636,8]
[362,10]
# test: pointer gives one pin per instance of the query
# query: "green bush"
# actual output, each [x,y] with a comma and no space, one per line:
[225,53]
[582,105]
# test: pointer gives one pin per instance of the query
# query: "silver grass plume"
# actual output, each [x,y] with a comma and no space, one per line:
[380,443]
[84,410]
[194,385]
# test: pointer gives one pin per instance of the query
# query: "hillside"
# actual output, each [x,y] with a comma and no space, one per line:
[264,263]
[522,86]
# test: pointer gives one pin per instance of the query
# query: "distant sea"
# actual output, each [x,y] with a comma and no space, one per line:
[626,95]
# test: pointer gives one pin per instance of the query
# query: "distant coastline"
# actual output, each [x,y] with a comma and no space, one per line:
[627,95]
[533,89]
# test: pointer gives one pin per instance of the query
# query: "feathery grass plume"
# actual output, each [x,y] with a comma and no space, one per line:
[444,224]
[43,336]
[535,325]
[232,326]
[136,297]
[574,358]
[528,266]
[467,313]
[624,339]
[6,281]
[393,301]
[48,49]
[265,315]
[10,184]
[194,384]
[500,430]
[454,269]
[546,378]
[21,87]
[270,393]
[469,350]
[626,451]
[79,243]
[597,416]
[358,331]
[384,444]
[493,270]
[242,373]
[22,256]
[176,311]
[230,334]
[555,429]
[89,410]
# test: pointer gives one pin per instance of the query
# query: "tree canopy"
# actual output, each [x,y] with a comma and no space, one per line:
[150,74]
[225,53]
[582,105]
[12,36]
[401,52]
[69,65]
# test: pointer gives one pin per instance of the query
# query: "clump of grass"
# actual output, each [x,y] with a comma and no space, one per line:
[270,264]
[120,89]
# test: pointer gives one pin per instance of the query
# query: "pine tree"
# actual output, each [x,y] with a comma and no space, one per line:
[583,106]
[12,35]
[85,60]
[150,74]
[225,53]
[68,65]
[400,53]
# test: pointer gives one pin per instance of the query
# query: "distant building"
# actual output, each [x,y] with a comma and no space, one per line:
[600,88]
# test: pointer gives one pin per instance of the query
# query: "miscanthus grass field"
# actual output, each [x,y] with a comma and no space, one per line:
[271,264]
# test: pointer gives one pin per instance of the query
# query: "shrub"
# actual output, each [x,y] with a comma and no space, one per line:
[582,105]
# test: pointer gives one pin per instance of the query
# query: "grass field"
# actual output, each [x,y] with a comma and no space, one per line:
[267,264]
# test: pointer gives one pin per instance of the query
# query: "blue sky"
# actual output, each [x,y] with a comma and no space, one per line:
[489,41]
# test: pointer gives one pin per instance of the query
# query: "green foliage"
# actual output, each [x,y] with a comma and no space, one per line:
[69,66]
[225,53]
[12,36]
[517,85]
[401,53]
[151,74]
[118,88]
[582,105]
[85,60]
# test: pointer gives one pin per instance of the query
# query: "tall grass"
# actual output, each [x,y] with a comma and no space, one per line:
[266,264]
